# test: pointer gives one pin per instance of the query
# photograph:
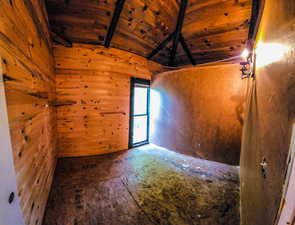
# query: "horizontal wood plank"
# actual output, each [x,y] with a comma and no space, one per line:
[93,97]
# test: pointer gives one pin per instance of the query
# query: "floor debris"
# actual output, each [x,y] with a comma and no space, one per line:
[136,187]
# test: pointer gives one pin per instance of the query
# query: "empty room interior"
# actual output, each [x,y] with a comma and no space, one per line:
[147,112]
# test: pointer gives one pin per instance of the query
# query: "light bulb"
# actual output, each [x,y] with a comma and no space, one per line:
[245,54]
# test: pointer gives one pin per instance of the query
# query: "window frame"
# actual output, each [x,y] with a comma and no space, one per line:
[137,82]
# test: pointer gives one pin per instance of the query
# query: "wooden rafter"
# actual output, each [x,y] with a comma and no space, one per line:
[257,8]
[114,22]
[186,49]
[176,36]
[230,31]
[60,40]
[178,29]
[160,46]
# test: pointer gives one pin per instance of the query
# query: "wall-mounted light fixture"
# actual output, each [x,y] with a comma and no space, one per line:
[248,61]
[262,55]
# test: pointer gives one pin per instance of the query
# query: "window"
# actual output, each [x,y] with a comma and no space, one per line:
[139,112]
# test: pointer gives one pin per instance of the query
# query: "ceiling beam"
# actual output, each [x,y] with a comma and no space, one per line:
[178,29]
[161,46]
[114,22]
[60,40]
[257,10]
[253,20]
[186,49]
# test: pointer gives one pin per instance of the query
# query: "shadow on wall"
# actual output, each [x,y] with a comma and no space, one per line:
[199,112]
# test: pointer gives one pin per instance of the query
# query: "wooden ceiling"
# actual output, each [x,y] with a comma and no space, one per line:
[212,29]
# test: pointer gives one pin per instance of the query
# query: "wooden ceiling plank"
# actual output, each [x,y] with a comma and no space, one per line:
[114,22]
[178,30]
[143,24]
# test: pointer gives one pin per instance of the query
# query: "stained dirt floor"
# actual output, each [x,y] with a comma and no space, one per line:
[144,186]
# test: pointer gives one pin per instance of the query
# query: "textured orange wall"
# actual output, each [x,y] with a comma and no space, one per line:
[198,112]
[269,120]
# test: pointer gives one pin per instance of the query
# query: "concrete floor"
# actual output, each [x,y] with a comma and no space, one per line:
[145,186]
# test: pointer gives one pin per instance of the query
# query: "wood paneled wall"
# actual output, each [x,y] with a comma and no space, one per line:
[29,84]
[199,111]
[93,95]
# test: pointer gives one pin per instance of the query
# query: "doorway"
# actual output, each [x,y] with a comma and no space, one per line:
[10,211]
[139,112]
[286,213]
